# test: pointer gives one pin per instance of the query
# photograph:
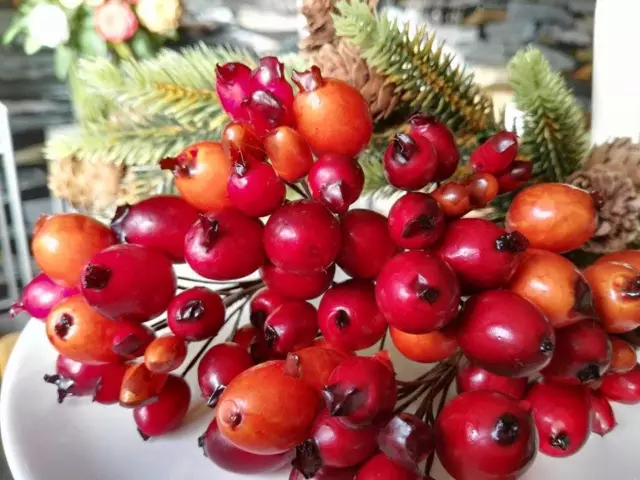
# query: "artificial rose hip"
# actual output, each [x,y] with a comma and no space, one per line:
[453,198]
[240,143]
[314,365]
[196,314]
[603,418]
[164,354]
[262,304]
[293,285]
[622,387]
[482,188]
[424,347]
[496,154]
[623,355]
[442,140]
[132,339]
[416,221]
[269,75]
[336,181]
[233,85]
[515,176]
[406,440]
[471,378]
[380,466]
[630,257]
[291,326]
[218,367]
[288,153]
[410,162]
[255,189]
[39,296]
[167,412]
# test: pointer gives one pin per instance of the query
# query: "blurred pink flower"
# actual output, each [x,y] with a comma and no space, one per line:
[115,21]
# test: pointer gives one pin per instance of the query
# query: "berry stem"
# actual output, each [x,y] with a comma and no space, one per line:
[299,189]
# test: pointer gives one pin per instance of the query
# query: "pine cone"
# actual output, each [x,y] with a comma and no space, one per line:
[618,218]
[320,28]
[622,153]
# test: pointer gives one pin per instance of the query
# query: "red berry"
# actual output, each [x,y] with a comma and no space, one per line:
[233,459]
[622,387]
[233,84]
[582,354]
[424,347]
[255,189]
[289,153]
[131,339]
[381,467]
[361,391]
[263,303]
[266,411]
[108,389]
[331,114]
[505,334]
[417,292]
[167,412]
[482,188]
[297,286]
[406,440]
[129,282]
[562,414]
[240,143]
[245,335]
[159,222]
[325,473]
[453,198]
[482,254]
[291,326]
[410,162]
[442,140]
[302,237]
[349,317]
[266,112]
[496,154]
[603,418]
[196,314]
[485,436]
[623,356]
[416,221]
[165,354]
[39,296]
[336,181]
[219,366]
[314,365]
[269,75]
[366,243]
[515,176]
[471,378]
[140,386]
[225,246]
[260,350]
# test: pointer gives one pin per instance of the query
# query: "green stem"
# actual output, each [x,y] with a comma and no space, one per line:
[123,50]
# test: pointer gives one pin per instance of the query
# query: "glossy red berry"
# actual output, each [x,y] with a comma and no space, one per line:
[366,243]
[131,339]
[336,181]
[485,436]
[361,391]
[302,237]
[297,286]
[482,188]
[416,221]
[515,176]
[453,198]
[255,189]
[160,222]
[233,459]
[245,335]
[240,143]
[622,387]
[410,162]
[167,412]
[331,114]
[348,316]
[582,353]
[289,153]
[406,440]
[225,246]
[262,304]
[442,140]
[233,85]
[196,314]
[266,112]
[165,354]
[496,154]
[483,255]
[562,414]
[505,334]
[325,473]
[603,419]
[623,355]
[291,326]
[108,389]
[381,467]
[417,292]
[218,367]
[269,75]
[471,378]
[424,347]
[314,365]
[333,444]
[129,282]
[39,296]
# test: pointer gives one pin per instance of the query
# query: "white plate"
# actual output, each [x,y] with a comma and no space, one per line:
[82,441]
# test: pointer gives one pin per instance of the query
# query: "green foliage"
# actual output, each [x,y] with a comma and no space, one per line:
[555,135]
[423,74]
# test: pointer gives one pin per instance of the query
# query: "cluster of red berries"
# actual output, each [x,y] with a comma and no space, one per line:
[543,342]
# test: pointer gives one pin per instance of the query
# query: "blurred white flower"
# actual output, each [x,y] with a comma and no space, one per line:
[160,16]
[71,4]
[47,24]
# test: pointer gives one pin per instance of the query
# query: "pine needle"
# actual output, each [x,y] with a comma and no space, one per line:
[422,73]
[555,135]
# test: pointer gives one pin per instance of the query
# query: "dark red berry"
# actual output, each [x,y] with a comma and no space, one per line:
[336,181]
[410,162]
[255,189]
[416,221]
[270,76]
[260,351]
[302,237]
[291,326]
[483,254]
[245,335]
[167,412]
[381,467]
[107,391]
[233,85]
[485,436]
[453,198]
[603,420]
[515,176]
[325,473]
[442,140]
[582,354]
[417,292]
[160,222]
[348,316]
[132,339]
[505,334]
[297,286]
[225,245]
[471,378]
[266,112]
[406,440]
[482,189]
[233,459]
[562,414]
[361,391]
[218,366]
[622,387]
[196,314]
[366,243]
[496,154]
[129,282]
[263,303]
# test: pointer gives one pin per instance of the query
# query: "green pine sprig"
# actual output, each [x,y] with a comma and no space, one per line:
[555,134]
[423,74]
